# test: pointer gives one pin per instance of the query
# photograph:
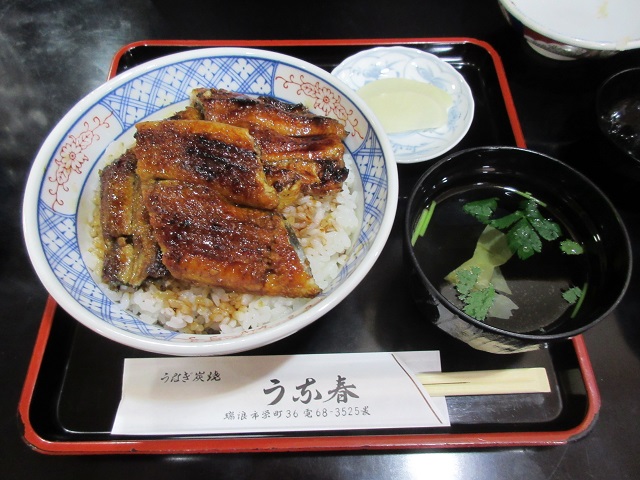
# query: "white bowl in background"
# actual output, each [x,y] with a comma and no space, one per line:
[570,29]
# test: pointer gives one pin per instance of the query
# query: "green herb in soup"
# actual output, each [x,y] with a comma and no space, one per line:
[572,295]
[575,296]
[477,301]
[525,227]
[423,223]
[498,283]
[491,251]
[571,247]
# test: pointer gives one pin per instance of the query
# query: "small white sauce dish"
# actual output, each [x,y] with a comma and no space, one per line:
[414,64]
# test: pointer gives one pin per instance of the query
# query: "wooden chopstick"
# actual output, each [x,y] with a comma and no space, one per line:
[486,382]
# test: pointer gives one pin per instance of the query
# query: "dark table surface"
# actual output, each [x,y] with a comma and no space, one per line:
[52,53]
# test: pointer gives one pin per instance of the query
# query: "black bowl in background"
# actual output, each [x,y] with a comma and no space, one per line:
[618,112]
[585,213]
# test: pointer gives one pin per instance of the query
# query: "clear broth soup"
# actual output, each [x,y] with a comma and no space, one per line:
[536,283]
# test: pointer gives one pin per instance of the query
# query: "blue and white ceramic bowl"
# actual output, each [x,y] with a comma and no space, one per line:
[60,192]
[413,64]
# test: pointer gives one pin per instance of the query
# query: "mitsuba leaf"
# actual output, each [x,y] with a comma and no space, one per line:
[524,240]
[571,247]
[546,228]
[572,295]
[478,302]
[481,209]
[467,279]
[506,221]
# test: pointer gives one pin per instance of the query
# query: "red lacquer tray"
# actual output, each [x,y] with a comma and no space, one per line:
[73,384]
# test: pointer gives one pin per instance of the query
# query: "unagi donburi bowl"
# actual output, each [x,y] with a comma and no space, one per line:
[537,283]
[61,188]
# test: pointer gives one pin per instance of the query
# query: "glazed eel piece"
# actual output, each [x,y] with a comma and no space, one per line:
[208,240]
[301,165]
[205,153]
[242,110]
[302,152]
[131,251]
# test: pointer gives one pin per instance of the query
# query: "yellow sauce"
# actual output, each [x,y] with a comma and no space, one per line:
[403,105]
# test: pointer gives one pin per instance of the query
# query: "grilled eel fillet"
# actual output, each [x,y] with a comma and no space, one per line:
[207,240]
[131,251]
[308,165]
[302,152]
[285,118]
[205,153]
[259,167]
